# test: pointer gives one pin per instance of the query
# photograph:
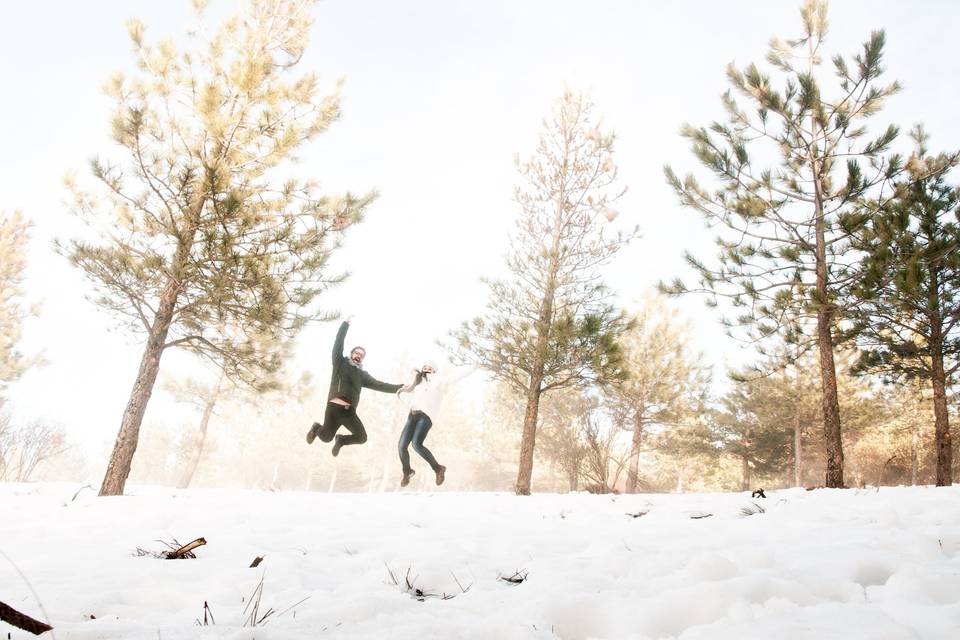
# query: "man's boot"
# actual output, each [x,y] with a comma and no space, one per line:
[314,431]
[337,444]
[406,477]
[440,471]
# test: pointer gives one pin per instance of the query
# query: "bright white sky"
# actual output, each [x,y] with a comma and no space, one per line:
[439,97]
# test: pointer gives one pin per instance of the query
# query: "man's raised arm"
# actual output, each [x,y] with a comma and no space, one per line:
[338,343]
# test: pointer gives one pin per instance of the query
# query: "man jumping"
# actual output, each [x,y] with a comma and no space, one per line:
[346,382]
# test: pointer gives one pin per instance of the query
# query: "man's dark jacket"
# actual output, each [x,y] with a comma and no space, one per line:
[348,378]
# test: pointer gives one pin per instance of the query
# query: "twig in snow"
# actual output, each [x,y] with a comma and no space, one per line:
[462,590]
[700,516]
[256,562]
[518,577]
[255,618]
[410,586]
[22,621]
[748,511]
[292,606]
[393,576]
[185,551]
[413,589]
[86,486]
[176,551]
[33,591]
[639,514]
[207,616]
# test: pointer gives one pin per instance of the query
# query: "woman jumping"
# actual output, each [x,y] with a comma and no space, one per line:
[426,396]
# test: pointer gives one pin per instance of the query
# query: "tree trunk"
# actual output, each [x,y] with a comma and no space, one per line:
[797,436]
[122,457]
[828,371]
[831,404]
[634,469]
[943,441]
[745,471]
[544,324]
[525,471]
[197,452]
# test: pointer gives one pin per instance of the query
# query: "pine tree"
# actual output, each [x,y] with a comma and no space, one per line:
[665,382]
[908,304]
[550,325]
[13,306]
[784,254]
[207,241]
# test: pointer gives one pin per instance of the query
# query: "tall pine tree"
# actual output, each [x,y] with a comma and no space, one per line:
[908,304]
[550,325]
[785,228]
[207,242]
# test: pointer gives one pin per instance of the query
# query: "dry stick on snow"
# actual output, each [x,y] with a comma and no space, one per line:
[86,486]
[256,562]
[518,577]
[462,590]
[292,606]
[410,586]
[207,616]
[253,619]
[22,621]
[176,551]
[186,549]
[750,511]
[393,576]
[700,516]
[639,514]
[4,609]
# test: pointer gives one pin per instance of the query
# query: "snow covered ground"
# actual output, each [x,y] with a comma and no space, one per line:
[825,564]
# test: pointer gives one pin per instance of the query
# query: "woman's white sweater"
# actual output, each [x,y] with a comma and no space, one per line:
[428,395]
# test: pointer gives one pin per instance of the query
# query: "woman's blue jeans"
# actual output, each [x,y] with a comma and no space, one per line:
[415,432]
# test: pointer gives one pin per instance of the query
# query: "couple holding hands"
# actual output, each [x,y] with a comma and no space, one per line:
[424,394]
